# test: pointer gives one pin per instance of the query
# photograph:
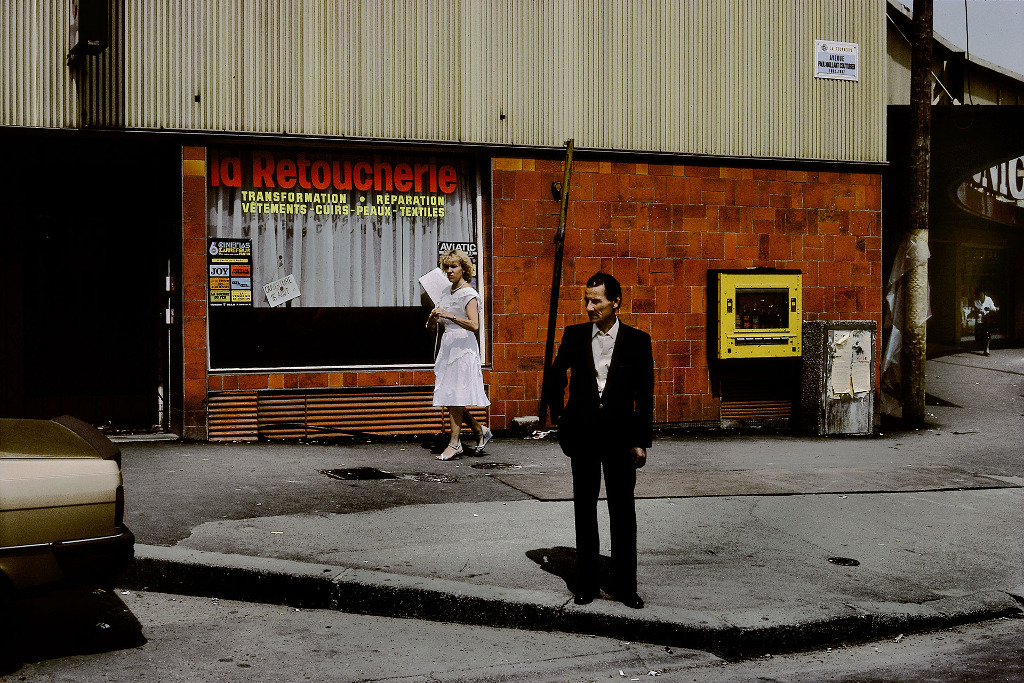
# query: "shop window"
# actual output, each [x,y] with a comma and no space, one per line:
[351,233]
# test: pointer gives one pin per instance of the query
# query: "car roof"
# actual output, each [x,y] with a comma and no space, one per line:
[21,438]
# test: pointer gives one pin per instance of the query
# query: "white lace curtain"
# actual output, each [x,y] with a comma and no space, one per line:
[343,261]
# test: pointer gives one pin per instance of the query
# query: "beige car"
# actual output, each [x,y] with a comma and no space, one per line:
[61,505]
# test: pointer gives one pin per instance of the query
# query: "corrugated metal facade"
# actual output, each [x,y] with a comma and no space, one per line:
[715,77]
[35,85]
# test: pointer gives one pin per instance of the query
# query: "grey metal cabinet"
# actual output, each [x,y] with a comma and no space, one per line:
[838,377]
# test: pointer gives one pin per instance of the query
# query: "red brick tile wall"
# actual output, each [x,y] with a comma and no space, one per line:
[659,228]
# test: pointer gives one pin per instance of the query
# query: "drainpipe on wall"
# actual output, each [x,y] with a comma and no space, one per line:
[556,277]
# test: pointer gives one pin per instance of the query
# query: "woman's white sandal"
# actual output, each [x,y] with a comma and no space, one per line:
[485,436]
[456,453]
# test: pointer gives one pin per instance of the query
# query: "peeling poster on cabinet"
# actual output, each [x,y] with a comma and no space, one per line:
[851,362]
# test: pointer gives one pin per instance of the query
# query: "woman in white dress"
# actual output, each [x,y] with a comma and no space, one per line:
[458,381]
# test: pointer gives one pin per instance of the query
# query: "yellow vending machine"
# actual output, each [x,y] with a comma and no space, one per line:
[759,313]
[755,341]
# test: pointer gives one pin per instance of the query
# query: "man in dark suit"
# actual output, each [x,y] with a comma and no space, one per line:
[605,424]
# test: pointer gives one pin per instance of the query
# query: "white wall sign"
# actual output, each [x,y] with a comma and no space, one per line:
[281,291]
[836,60]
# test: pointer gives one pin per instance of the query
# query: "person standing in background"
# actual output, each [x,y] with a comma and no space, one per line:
[458,380]
[982,311]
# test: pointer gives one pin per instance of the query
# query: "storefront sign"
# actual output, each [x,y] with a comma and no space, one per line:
[272,183]
[836,60]
[229,268]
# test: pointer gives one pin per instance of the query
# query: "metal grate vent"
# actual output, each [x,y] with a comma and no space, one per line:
[358,474]
[495,466]
[295,415]
[232,416]
[756,399]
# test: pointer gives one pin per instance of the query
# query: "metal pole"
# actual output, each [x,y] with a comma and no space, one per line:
[556,279]
[915,340]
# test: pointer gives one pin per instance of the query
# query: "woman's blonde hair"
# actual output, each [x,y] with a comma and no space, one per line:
[458,257]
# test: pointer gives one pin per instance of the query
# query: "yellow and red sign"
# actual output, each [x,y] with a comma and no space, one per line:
[229,271]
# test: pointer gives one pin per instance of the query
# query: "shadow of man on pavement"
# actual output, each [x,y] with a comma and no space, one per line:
[563,563]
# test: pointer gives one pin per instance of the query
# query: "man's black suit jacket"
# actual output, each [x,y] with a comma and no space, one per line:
[621,418]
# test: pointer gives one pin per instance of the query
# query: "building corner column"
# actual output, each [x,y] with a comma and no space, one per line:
[196,380]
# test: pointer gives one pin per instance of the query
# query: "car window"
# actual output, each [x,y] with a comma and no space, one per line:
[41,439]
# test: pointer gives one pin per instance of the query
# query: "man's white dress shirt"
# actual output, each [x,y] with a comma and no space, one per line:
[602,344]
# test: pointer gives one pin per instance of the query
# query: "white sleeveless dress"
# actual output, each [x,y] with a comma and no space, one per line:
[458,380]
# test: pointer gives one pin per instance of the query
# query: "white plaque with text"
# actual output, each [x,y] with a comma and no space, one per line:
[281,291]
[836,60]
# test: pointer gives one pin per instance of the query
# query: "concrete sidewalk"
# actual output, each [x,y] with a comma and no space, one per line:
[874,536]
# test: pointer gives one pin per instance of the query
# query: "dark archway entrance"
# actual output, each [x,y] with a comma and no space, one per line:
[967,249]
[90,228]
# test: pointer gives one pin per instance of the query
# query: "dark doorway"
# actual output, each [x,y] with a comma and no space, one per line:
[987,270]
[87,238]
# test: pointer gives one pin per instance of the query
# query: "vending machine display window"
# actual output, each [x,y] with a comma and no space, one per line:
[762,309]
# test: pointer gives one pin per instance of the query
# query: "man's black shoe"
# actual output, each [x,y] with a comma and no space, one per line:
[634,601]
[584,598]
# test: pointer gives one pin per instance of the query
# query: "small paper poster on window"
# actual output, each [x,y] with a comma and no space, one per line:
[836,60]
[281,291]
[470,250]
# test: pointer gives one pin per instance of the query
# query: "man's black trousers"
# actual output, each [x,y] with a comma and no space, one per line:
[619,482]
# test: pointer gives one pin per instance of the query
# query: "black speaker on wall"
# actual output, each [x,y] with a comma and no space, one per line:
[89,27]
